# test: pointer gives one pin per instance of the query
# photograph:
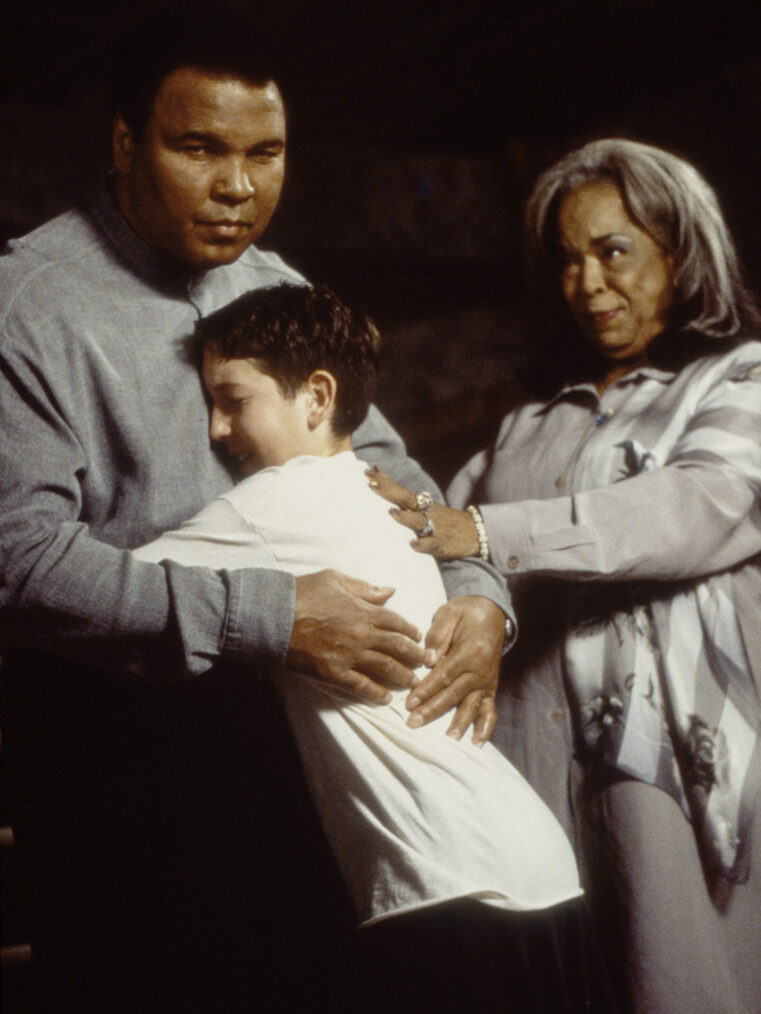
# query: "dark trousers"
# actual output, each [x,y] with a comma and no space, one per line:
[170,857]
[465,955]
[174,863]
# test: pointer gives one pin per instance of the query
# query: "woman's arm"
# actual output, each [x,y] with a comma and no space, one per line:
[694,514]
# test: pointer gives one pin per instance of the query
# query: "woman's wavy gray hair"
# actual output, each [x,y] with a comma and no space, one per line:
[670,200]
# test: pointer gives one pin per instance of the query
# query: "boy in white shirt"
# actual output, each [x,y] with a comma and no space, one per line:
[415,818]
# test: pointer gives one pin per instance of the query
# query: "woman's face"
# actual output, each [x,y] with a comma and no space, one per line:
[615,278]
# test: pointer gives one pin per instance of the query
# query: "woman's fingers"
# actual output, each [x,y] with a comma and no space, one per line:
[444,533]
[440,531]
[391,490]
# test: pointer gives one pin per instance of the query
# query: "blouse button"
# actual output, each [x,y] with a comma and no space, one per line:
[560,482]
[513,562]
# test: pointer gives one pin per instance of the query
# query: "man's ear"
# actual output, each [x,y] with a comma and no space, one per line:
[322,388]
[123,141]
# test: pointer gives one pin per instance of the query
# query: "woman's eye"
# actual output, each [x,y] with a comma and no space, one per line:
[564,260]
[614,253]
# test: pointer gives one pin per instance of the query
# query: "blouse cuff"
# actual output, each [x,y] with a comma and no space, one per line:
[508,529]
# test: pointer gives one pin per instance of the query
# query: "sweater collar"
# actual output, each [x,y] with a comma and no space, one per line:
[152,265]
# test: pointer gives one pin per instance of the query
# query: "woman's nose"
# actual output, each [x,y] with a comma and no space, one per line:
[591,276]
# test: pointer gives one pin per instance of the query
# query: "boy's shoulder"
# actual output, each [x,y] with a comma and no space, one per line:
[296,485]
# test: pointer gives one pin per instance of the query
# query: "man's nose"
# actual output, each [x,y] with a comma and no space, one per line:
[234,182]
[219,425]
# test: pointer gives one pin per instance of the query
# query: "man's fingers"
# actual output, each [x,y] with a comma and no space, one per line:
[386,621]
[370,676]
[451,671]
[443,700]
[486,721]
[329,593]
[350,642]
[442,629]
[479,710]
[362,589]
[467,634]
[385,669]
[465,715]
[358,685]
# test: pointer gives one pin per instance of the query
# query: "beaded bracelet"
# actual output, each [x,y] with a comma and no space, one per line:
[483,540]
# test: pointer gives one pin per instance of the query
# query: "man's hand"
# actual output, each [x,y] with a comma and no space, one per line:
[344,636]
[467,635]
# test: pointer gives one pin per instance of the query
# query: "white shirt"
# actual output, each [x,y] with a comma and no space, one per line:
[414,817]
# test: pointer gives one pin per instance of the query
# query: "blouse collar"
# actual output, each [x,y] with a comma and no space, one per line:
[570,391]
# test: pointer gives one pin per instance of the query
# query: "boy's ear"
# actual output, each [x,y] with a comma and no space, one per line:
[123,142]
[322,387]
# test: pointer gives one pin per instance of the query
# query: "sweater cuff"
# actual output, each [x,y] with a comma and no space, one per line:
[260,615]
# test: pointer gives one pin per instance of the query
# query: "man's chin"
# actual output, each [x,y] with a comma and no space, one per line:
[214,255]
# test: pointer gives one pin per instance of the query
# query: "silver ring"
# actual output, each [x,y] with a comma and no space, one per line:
[428,529]
[423,502]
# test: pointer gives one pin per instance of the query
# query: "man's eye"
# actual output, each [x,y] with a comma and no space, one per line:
[265,155]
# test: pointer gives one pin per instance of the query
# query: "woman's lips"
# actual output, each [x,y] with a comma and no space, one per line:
[602,318]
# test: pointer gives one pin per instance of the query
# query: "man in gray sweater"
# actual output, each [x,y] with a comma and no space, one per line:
[160,871]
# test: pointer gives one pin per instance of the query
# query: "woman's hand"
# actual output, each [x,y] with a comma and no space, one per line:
[454,532]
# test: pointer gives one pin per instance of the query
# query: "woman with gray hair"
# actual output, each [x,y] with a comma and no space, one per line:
[624,507]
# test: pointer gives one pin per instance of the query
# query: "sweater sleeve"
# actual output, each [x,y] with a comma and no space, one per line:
[64,591]
[377,443]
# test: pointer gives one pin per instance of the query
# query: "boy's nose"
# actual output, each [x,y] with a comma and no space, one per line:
[219,425]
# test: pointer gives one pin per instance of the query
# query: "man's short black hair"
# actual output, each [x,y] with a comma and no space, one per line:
[293,330]
[218,42]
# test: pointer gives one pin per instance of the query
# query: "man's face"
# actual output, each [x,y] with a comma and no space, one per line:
[203,181]
[258,424]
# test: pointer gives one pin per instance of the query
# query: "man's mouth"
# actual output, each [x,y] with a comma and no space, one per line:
[226,229]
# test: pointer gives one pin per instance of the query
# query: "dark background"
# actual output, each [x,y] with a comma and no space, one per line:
[417,128]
